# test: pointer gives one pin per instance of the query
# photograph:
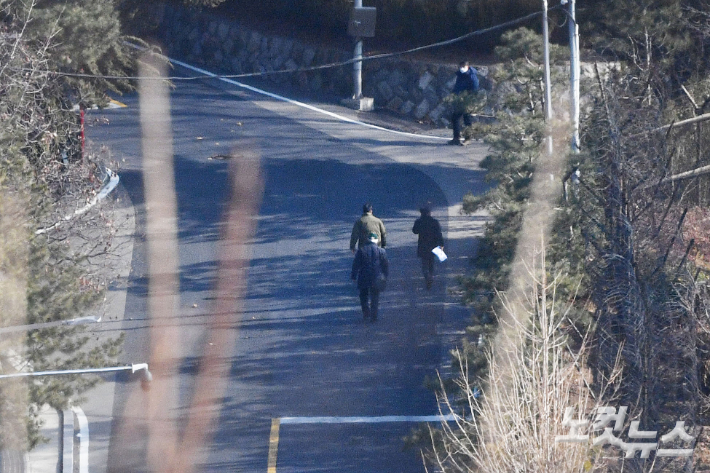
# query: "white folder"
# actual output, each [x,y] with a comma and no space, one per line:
[439,253]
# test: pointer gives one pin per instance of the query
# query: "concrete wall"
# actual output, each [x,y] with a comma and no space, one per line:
[409,88]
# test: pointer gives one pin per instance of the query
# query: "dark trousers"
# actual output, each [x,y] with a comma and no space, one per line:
[456,121]
[428,267]
[369,300]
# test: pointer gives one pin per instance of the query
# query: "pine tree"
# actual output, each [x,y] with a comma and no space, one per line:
[618,235]
[84,37]
[514,140]
[42,175]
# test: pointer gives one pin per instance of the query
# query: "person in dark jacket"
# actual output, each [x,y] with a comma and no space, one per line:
[429,231]
[466,81]
[370,261]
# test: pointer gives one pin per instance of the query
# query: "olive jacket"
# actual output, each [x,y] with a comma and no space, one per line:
[365,225]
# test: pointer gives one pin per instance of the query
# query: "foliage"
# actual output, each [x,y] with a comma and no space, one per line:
[635,258]
[512,424]
[398,21]
[647,297]
[514,141]
[43,171]
[327,17]
[139,16]
[618,234]
[641,33]
[85,38]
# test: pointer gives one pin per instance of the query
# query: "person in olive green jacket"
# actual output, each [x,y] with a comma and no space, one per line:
[365,225]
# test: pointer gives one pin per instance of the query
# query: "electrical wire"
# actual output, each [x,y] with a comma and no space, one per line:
[312,68]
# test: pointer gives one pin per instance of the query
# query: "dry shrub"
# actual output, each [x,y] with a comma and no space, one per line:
[697,228]
[513,425]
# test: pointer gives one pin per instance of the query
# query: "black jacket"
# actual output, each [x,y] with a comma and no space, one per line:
[466,81]
[429,231]
[370,260]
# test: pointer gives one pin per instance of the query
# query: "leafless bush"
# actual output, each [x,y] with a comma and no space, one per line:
[511,424]
[43,170]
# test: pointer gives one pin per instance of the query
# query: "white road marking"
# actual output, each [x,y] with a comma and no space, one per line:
[78,321]
[301,104]
[26,374]
[365,420]
[116,104]
[277,422]
[291,101]
[83,439]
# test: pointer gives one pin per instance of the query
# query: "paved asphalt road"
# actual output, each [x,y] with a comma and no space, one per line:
[303,349]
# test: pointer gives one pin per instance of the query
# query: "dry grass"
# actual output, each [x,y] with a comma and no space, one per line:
[513,426]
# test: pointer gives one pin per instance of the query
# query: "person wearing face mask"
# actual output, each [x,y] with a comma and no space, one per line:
[466,82]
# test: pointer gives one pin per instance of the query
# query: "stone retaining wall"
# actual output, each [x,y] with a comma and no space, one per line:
[412,89]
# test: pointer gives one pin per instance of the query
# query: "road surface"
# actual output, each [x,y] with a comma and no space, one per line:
[304,361]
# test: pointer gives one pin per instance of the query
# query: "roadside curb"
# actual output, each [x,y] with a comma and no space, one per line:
[67,452]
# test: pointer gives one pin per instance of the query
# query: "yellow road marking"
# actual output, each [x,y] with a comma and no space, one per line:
[273,445]
[276,425]
[116,103]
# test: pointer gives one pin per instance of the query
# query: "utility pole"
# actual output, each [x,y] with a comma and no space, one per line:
[361,25]
[548,86]
[574,73]
[357,67]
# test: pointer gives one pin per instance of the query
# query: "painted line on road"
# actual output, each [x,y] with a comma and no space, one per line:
[67,441]
[116,104]
[23,328]
[83,439]
[365,420]
[301,104]
[291,101]
[276,426]
[273,445]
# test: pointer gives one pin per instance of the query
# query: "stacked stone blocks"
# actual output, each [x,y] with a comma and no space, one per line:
[409,88]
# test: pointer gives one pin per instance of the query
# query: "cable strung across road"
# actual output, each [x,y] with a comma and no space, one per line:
[311,68]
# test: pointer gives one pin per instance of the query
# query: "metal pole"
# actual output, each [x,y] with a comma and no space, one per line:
[81,131]
[574,74]
[59,323]
[357,66]
[132,368]
[548,87]
[357,69]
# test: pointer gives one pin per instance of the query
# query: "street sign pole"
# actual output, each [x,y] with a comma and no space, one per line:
[548,85]
[357,67]
[361,25]
[574,73]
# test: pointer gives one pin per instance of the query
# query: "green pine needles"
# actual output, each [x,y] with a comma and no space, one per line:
[52,276]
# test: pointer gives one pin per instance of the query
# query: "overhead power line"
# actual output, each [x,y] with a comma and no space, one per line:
[373,57]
